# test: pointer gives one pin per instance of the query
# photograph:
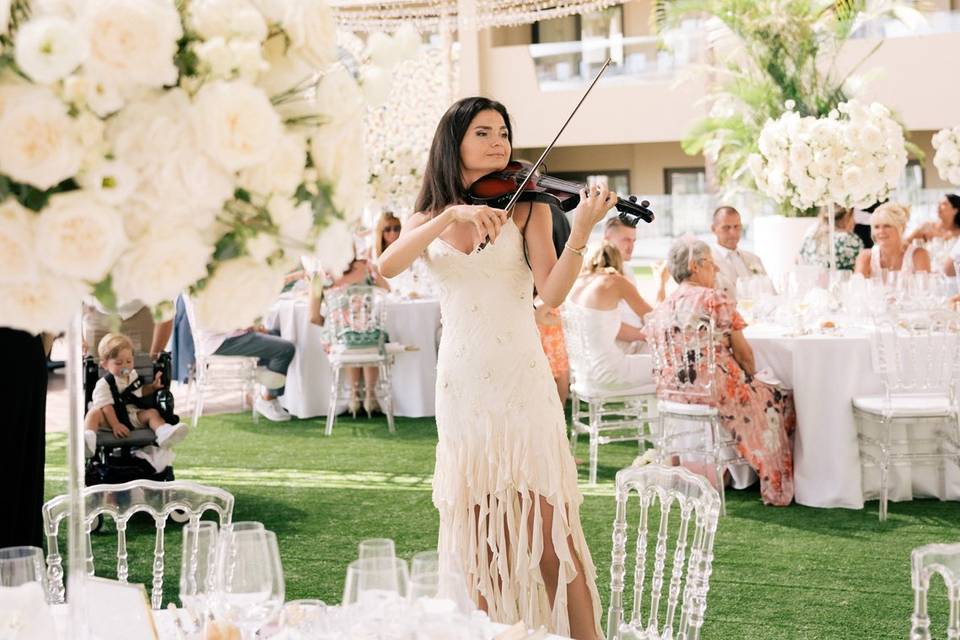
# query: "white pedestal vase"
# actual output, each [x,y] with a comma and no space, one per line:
[777,240]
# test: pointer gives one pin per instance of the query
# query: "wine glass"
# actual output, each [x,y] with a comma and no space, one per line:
[424,562]
[745,297]
[304,617]
[22,565]
[250,587]
[376,548]
[198,568]
[440,592]
[380,580]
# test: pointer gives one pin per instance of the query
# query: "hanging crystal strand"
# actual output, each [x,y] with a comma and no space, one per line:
[831,215]
[77,532]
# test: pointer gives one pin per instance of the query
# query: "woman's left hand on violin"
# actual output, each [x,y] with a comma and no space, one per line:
[594,203]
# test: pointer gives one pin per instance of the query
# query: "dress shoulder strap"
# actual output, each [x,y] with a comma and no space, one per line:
[907,266]
[875,269]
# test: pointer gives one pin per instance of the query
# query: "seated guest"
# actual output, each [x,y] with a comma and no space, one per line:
[947,225]
[889,251]
[388,230]
[732,262]
[273,352]
[624,238]
[760,417]
[847,246]
[598,291]
[551,337]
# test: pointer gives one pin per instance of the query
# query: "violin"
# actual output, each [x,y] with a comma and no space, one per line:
[517,182]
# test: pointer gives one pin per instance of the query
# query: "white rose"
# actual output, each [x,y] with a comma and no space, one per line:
[226,19]
[49,48]
[287,68]
[237,293]
[261,246]
[247,58]
[112,181]
[4,15]
[132,42]
[294,222]
[312,30]
[334,248]
[216,55]
[41,144]
[338,96]
[376,84]
[18,260]
[101,98]
[382,50]
[152,127]
[46,303]
[160,266]
[281,172]
[336,147]
[236,124]
[408,41]
[800,155]
[78,236]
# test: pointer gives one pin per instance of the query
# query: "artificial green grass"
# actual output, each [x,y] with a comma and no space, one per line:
[790,572]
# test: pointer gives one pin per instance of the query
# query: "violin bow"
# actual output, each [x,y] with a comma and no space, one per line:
[536,165]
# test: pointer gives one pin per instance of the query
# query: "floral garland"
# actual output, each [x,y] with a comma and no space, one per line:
[152,146]
[854,157]
[947,158]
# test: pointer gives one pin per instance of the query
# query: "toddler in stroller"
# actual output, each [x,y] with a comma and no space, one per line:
[126,415]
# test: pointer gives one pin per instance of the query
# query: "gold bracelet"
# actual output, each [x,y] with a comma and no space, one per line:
[579,251]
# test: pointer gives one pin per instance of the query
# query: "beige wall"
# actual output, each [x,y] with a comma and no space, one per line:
[645,162]
[931,179]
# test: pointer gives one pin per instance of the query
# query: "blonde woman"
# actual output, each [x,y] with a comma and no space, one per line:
[598,292]
[890,252]
[815,249]
[388,230]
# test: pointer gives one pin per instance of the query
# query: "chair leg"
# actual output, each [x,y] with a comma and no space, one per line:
[332,410]
[386,393]
[198,405]
[594,442]
[721,489]
[884,488]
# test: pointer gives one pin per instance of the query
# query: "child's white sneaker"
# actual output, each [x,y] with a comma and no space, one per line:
[90,442]
[170,434]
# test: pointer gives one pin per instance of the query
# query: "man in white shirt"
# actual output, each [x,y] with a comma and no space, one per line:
[732,263]
[624,238]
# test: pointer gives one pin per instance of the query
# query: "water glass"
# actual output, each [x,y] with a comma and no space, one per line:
[198,568]
[373,580]
[377,548]
[306,618]
[424,562]
[250,587]
[440,593]
[21,565]
[248,525]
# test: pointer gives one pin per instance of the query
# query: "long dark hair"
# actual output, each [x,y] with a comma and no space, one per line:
[954,201]
[442,178]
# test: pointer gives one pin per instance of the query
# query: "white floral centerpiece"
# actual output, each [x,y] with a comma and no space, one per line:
[155,145]
[853,158]
[947,156]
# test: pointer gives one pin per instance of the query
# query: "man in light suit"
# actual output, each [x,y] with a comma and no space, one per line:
[732,263]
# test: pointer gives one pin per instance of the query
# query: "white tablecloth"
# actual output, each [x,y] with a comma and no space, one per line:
[825,373]
[413,323]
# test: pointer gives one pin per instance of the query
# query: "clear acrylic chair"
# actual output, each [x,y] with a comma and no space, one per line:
[685,367]
[916,420]
[356,325]
[222,373]
[610,416]
[688,503]
[926,561]
[120,502]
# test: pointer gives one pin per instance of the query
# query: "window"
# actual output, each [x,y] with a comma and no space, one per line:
[618,180]
[604,28]
[685,182]
[912,178]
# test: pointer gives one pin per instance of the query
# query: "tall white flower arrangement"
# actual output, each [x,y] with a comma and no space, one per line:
[852,158]
[150,146]
[947,156]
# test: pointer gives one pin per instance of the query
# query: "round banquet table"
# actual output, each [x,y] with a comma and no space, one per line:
[413,323]
[826,372]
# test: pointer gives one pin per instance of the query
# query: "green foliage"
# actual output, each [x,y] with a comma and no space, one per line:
[29,196]
[784,51]
[103,291]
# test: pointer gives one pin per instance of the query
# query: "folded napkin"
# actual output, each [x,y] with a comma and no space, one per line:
[24,613]
[766,376]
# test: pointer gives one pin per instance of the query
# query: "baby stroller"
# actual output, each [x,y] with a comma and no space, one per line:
[114,462]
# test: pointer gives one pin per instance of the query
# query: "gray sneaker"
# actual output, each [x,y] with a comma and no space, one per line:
[271,409]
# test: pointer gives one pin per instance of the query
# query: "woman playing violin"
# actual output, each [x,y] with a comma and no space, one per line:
[505,483]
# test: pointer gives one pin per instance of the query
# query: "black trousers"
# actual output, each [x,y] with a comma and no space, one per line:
[23,387]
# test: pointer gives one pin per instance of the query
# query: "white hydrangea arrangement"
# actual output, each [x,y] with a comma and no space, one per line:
[946,142]
[151,146]
[852,158]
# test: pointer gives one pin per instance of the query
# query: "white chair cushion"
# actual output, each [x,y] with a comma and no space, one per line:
[699,410]
[340,355]
[586,392]
[905,406]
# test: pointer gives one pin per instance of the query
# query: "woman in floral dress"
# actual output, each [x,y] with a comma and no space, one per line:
[759,416]
[846,244]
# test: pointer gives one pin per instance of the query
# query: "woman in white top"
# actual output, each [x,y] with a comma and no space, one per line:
[889,251]
[597,294]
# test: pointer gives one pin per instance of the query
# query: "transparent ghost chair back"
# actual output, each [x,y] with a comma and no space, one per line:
[121,502]
[677,521]
[356,316]
[684,354]
[942,559]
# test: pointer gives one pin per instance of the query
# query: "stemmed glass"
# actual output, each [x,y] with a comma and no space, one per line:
[198,569]
[22,565]
[250,587]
